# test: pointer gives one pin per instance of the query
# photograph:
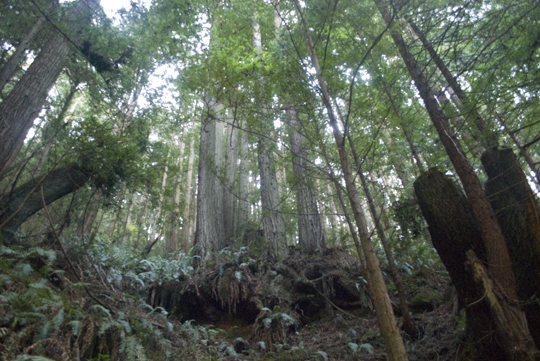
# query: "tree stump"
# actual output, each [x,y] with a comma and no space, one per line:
[513,201]
[453,232]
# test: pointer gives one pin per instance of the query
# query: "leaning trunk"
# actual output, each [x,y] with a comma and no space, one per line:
[497,254]
[23,202]
[385,315]
[24,102]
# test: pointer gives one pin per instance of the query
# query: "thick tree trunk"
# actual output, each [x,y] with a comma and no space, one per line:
[385,315]
[310,233]
[273,222]
[15,59]
[497,254]
[517,212]
[15,208]
[454,232]
[210,234]
[24,102]
[272,219]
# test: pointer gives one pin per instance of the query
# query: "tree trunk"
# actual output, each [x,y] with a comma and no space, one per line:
[273,222]
[26,200]
[514,203]
[187,217]
[408,323]
[209,234]
[385,315]
[454,232]
[173,224]
[497,254]
[15,59]
[310,233]
[272,219]
[24,102]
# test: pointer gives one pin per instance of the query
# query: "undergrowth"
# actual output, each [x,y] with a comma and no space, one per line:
[47,312]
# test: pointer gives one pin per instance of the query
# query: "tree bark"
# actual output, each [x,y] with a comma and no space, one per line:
[24,102]
[209,234]
[310,232]
[272,219]
[515,205]
[385,315]
[26,200]
[453,232]
[497,253]
[14,60]
[408,323]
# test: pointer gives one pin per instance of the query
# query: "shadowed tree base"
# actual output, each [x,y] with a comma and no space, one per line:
[454,232]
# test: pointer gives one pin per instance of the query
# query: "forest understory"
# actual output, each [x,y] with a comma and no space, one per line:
[239,307]
[269,180]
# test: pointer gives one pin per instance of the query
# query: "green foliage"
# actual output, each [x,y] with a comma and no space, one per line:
[37,311]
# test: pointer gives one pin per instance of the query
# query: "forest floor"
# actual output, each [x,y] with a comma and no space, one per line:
[239,308]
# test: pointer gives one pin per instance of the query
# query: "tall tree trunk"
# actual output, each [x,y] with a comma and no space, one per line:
[385,315]
[513,200]
[15,59]
[408,323]
[310,233]
[26,200]
[497,253]
[454,232]
[24,102]
[171,236]
[187,216]
[273,222]
[209,234]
